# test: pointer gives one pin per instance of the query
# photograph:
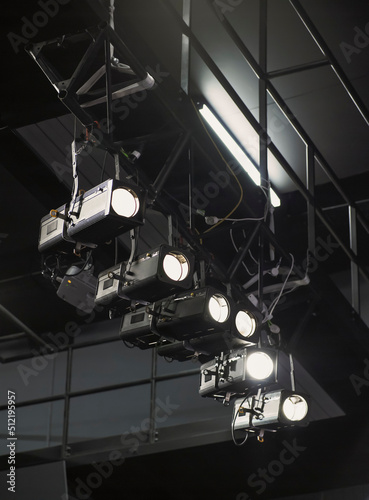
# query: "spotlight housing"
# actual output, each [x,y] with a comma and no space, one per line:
[152,276]
[247,368]
[159,273]
[194,314]
[278,408]
[247,321]
[53,231]
[239,370]
[105,211]
[203,348]
[79,290]
[137,329]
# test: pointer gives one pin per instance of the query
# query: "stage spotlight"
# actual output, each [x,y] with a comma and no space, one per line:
[240,370]
[276,408]
[150,277]
[247,321]
[193,314]
[158,274]
[108,287]
[53,231]
[259,365]
[294,408]
[78,289]
[105,211]
[137,329]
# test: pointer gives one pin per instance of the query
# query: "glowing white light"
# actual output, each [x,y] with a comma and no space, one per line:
[125,202]
[295,408]
[259,365]
[245,324]
[219,308]
[176,266]
[236,151]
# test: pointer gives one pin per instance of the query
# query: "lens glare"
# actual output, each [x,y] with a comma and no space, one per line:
[259,365]
[125,202]
[219,308]
[245,324]
[295,408]
[176,266]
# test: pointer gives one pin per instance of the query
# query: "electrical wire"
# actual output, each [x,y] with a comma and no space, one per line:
[277,299]
[228,167]
[234,422]
[247,219]
[89,255]
[103,167]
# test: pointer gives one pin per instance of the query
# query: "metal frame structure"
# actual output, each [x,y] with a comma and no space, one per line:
[187,140]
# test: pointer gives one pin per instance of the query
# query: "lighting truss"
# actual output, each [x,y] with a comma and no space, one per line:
[107,70]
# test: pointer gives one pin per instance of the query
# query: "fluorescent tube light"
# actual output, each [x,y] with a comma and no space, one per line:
[236,151]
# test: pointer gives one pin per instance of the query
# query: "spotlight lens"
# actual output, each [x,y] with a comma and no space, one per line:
[295,408]
[245,324]
[176,266]
[259,365]
[125,202]
[219,308]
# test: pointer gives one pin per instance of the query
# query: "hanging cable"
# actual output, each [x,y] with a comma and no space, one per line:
[234,422]
[275,301]
[228,167]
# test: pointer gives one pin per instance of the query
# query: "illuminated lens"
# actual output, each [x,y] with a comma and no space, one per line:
[219,308]
[176,266]
[259,365]
[245,324]
[295,408]
[125,202]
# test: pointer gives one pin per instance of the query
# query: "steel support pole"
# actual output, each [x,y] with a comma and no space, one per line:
[7,314]
[108,82]
[185,57]
[154,358]
[68,386]
[297,69]
[263,122]
[310,183]
[355,280]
